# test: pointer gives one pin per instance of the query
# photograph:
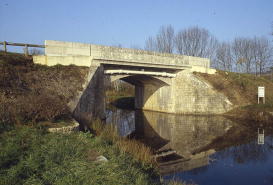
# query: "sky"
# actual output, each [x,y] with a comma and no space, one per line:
[128,22]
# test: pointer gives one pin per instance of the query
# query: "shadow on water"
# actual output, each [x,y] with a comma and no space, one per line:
[125,103]
[190,145]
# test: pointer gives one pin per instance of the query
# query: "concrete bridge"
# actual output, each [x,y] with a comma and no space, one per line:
[163,82]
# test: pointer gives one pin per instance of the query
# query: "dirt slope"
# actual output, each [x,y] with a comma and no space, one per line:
[241,89]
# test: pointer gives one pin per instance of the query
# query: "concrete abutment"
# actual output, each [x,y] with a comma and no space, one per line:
[90,103]
[186,94]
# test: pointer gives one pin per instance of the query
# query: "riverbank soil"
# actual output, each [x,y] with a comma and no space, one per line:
[242,91]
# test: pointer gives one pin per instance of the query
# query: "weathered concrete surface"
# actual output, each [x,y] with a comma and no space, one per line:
[90,103]
[115,55]
[185,94]
[203,70]
[66,129]
[53,60]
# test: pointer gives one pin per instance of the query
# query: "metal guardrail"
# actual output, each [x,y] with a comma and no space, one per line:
[20,44]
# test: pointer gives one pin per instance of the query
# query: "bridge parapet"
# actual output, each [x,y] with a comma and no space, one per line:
[108,53]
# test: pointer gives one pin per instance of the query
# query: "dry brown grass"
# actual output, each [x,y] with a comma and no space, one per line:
[135,148]
[241,89]
[31,93]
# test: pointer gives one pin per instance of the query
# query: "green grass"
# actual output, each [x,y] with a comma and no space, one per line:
[32,156]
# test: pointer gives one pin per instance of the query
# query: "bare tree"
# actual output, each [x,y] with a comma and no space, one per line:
[192,41]
[253,54]
[163,42]
[264,54]
[224,56]
[272,28]
[36,51]
[271,70]
[244,49]
[198,42]
[237,56]
[150,44]
[212,51]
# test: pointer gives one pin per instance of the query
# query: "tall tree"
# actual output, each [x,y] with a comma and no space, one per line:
[163,42]
[150,44]
[272,28]
[193,41]
[198,42]
[264,54]
[224,57]
[245,48]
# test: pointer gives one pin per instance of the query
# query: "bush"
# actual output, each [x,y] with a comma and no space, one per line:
[32,93]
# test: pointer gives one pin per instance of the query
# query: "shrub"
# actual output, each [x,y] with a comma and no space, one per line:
[32,93]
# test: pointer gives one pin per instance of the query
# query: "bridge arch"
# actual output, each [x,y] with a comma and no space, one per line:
[150,91]
[141,80]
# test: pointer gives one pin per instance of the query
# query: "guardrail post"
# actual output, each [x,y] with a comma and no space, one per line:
[5,46]
[26,50]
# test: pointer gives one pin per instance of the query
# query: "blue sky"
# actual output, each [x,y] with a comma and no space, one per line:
[128,22]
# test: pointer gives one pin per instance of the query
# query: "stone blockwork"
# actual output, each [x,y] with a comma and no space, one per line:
[66,129]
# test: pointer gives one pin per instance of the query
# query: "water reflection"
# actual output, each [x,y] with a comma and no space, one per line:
[194,142]
[123,119]
[185,135]
[168,132]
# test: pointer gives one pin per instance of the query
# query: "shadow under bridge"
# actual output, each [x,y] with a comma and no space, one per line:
[152,85]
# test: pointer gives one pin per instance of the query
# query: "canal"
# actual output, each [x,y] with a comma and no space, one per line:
[202,149]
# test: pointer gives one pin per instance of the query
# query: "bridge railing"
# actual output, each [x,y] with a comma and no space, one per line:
[20,44]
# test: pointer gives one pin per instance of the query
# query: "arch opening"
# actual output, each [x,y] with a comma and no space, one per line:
[144,86]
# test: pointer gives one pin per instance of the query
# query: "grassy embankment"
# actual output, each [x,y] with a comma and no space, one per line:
[32,156]
[34,97]
[242,91]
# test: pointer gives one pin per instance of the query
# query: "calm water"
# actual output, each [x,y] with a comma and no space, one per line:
[205,149]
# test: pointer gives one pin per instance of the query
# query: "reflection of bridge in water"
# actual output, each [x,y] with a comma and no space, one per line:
[176,133]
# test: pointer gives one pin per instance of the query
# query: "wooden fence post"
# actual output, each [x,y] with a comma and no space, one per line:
[26,50]
[5,46]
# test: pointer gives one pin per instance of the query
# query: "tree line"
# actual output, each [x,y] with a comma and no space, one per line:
[245,55]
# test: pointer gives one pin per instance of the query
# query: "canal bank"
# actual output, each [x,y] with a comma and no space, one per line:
[31,94]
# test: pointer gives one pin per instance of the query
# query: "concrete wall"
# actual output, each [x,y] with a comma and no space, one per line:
[53,60]
[89,104]
[60,48]
[186,94]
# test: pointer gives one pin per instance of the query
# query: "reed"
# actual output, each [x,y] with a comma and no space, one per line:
[137,149]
